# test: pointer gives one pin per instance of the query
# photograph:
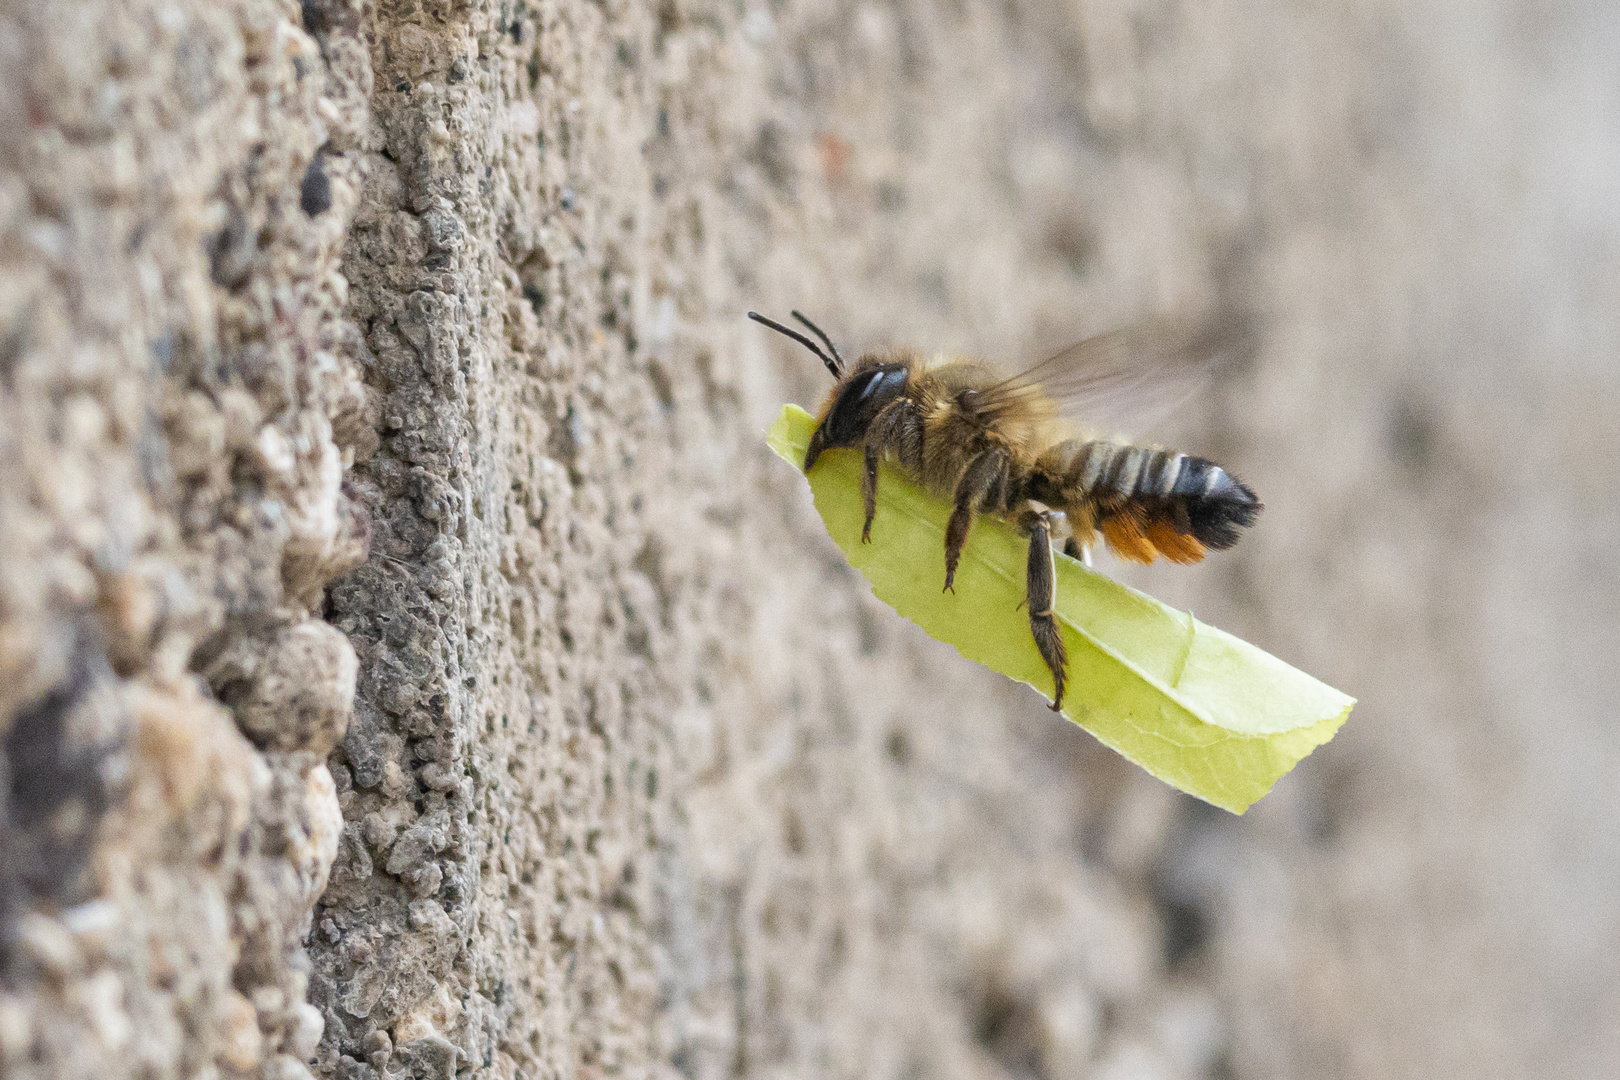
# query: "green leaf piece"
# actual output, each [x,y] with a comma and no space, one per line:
[1198,708]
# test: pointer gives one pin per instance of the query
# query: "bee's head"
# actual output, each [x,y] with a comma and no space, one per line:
[856,400]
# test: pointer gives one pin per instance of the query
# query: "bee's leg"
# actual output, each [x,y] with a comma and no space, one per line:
[869,477]
[908,437]
[885,426]
[1082,530]
[1074,549]
[1040,590]
[982,477]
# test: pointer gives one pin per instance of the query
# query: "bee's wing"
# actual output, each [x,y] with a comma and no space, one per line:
[1137,374]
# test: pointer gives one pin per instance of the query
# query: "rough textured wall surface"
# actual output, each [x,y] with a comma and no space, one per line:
[602,762]
[413,665]
[639,773]
[177,413]
[176,424]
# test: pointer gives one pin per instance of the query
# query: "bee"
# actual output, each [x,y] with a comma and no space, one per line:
[994,444]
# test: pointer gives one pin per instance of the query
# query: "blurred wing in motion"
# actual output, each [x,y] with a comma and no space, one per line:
[1135,375]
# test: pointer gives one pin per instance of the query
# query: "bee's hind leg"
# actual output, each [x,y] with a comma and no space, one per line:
[1040,591]
[1074,549]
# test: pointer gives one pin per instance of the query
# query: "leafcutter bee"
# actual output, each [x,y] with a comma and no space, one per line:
[990,443]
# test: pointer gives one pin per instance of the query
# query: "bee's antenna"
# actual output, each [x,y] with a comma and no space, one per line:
[825,340]
[835,367]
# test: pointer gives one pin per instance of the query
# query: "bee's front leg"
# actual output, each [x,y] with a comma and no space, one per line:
[1040,593]
[885,427]
[869,477]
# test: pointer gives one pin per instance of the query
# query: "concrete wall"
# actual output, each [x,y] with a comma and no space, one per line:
[413,664]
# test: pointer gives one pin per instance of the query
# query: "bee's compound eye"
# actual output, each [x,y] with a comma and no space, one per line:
[861,401]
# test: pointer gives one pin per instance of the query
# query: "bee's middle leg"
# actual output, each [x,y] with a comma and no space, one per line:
[1040,593]
[984,475]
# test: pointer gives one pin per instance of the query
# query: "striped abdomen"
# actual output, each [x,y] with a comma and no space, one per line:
[1145,501]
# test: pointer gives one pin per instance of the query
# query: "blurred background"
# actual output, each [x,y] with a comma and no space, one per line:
[1419,200]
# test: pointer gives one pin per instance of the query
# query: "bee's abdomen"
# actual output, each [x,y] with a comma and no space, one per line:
[1149,501]
[1127,472]
[1218,504]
